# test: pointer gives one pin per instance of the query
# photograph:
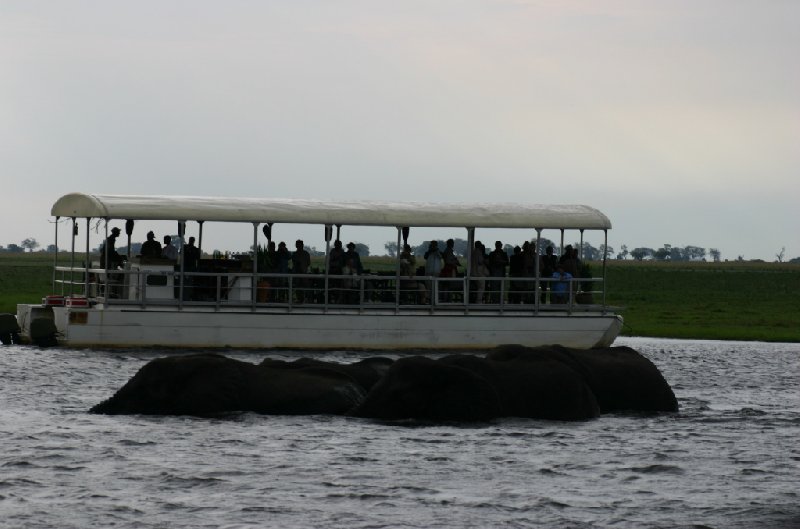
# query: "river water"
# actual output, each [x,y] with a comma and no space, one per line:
[729,458]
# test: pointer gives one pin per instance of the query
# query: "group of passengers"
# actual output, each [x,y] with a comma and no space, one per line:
[485,270]
[340,263]
[151,248]
[484,267]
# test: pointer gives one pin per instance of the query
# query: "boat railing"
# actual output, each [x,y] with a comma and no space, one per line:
[243,289]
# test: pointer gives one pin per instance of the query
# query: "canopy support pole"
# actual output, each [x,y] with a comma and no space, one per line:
[537,272]
[88,261]
[55,260]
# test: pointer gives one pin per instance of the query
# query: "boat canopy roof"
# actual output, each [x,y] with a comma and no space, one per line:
[302,211]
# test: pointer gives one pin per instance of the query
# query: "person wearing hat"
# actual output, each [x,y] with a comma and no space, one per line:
[108,249]
[151,247]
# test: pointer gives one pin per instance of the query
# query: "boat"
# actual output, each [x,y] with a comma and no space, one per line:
[241,302]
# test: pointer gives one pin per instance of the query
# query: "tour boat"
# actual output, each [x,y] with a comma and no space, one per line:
[244,302]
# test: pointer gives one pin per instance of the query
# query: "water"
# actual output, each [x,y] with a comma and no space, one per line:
[729,458]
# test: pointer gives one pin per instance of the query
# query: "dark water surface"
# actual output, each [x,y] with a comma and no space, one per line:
[729,458]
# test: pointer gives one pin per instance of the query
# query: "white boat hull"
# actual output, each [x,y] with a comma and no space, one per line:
[312,329]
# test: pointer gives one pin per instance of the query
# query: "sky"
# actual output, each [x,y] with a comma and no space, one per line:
[679,120]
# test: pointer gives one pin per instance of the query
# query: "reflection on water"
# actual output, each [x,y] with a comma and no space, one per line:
[729,458]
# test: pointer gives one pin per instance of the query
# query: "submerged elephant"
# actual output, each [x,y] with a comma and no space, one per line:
[203,384]
[551,382]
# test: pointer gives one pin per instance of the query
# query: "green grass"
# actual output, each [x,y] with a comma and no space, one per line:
[24,278]
[730,301]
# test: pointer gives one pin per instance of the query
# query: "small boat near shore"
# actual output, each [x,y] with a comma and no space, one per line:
[246,303]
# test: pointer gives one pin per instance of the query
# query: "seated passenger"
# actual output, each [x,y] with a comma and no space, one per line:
[560,289]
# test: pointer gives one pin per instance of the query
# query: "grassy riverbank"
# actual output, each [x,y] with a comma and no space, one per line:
[731,301]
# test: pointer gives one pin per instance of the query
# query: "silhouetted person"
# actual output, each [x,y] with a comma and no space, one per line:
[301,263]
[191,255]
[169,251]
[548,263]
[516,268]
[497,263]
[151,247]
[109,258]
[351,253]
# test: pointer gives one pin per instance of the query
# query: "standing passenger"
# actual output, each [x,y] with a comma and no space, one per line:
[478,271]
[351,253]
[433,267]
[497,263]
[169,251]
[301,263]
[548,264]
[151,247]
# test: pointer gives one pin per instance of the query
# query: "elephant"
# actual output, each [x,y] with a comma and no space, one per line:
[366,372]
[205,384]
[620,378]
[551,382]
[418,387]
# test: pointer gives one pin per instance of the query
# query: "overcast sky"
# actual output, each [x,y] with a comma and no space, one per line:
[679,120]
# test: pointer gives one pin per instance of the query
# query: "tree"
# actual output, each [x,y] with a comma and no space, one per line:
[589,253]
[607,251]
[664,253]
[715,255]
[14,248]
[391,248]
[623,252]
[781,255]
[694,253]
[362,249]
[51,248]
[30,243]
[641,253]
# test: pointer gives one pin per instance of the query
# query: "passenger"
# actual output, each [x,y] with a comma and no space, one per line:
[282,259]
[433,266]
[301,263]
[529,258]
[272,258]
[336,264]
[336,259]
[548,263]
[450,260]
[562,286]
[169,251]
[408,262]
[301,259]
[413,291]
[350,284]
[351,253]
[151,247]
[478,271]
[516,269]
[497,263]
[191,255]
[191,262]
[449,269]
[570,260]
[108,249]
